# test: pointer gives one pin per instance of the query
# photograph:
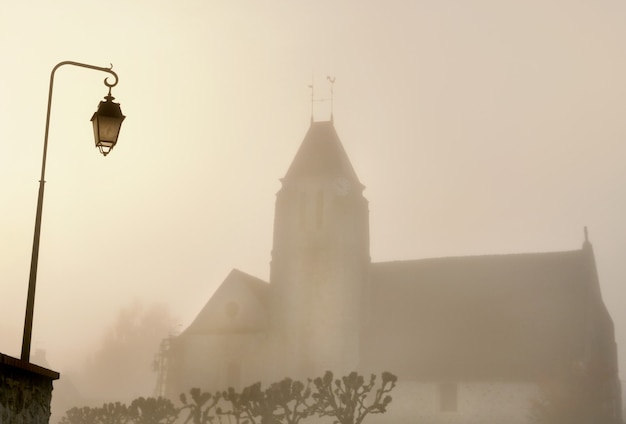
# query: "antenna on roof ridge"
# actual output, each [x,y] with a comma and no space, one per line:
[332,96]
[586,234]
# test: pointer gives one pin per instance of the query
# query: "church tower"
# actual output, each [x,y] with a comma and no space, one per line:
[320,258]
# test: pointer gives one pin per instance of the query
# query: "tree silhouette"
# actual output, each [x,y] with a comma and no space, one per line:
[200,407]
[112,413]
[245,407]
[152,411]
[84,415]
[121,364]
[285,402]
[290,401]
[350,398]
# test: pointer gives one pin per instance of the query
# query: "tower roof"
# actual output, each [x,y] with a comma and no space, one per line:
[321,154]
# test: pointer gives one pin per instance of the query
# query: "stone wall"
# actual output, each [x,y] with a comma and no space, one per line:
[476,403]
[25,392]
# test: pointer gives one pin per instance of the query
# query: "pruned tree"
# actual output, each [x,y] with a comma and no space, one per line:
[284,402]
[246,407]
[237,408]
[109,413]
[200,406]
[256,406]
[112,413]
[350,399]
[290,401]
[152,411]
[83,415]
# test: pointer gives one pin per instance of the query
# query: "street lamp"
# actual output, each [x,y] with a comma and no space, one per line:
[107,121]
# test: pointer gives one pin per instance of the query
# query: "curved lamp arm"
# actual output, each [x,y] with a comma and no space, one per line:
[58,65]
[30,301]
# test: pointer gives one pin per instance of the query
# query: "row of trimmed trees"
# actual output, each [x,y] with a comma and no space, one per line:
[345,400]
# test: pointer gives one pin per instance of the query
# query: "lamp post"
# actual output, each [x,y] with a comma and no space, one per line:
[107,121]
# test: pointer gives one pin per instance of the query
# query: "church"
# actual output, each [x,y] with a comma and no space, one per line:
[472,339]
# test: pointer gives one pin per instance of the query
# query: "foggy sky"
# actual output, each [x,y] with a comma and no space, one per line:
[479,127]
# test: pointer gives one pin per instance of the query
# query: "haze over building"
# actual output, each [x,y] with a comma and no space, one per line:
[472,335]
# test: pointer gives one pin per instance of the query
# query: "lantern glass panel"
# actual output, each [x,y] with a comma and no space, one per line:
[109,128]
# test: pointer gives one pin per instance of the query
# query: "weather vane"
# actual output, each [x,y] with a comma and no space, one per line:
[313,99]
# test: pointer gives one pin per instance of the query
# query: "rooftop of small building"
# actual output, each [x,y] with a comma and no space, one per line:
[15,364]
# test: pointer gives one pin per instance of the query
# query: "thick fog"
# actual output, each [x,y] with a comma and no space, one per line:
[477,127]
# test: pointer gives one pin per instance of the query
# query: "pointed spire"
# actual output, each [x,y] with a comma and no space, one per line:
[321,154]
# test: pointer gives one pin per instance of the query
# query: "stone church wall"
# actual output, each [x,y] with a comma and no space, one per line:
[25,392]
[472,403]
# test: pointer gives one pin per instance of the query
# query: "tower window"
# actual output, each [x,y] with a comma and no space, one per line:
[319,209]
